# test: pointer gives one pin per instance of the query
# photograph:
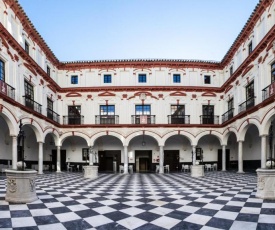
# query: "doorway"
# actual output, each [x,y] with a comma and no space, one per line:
[227,153]
[109,160]
[171,158]
[63,166]
[143,161]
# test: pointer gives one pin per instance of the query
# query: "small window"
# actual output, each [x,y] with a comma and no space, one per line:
[231,71]
[273,72]
[250,48]
[2,70]
[74,79]
[107,78]
[176,78]
[142,78]
[207,79]
[48,70]
[27,47]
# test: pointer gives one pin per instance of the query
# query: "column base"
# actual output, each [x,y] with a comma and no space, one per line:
[240,172]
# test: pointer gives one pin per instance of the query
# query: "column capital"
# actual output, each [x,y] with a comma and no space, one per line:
[240,141]
[263,135]
[125,146]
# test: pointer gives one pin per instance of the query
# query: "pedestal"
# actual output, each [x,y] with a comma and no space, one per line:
[197,171]
[90,171]
[266,184]
[21,186]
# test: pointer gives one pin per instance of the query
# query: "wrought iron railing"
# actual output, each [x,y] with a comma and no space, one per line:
[106,119]
[73,120]
[143,119]
[269,91]
[178,119]
[7,90]
[228,115]
[209,119]
[30,103]
[247,104]
[53,115]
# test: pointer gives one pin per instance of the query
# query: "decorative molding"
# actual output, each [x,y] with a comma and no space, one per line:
[106,94]
[73,94]
[208,94]
[178,94]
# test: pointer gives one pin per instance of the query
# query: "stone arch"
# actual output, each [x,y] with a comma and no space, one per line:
[148,133]
[11,122]
[244,127]
[103,133]
[189,136]
[208,132]
[53,133]
[226,135]
[71,134]
[35,127]
[266,122]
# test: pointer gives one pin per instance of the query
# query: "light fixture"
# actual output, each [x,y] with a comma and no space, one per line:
[143,143]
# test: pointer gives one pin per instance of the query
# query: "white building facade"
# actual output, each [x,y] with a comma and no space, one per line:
[144,113]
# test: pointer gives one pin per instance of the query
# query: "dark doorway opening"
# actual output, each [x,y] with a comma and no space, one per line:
[109,160]
[143,161]
[227,153]
[63,166]
[171,158]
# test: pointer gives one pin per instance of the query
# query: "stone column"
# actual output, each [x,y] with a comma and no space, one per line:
[240,157]
[40,158]
[58,158]
[161,159]
[263,151]
[14,151]
[194,155]
[125,160]
[223,158]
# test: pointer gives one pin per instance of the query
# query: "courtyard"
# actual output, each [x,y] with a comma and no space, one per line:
[67,200]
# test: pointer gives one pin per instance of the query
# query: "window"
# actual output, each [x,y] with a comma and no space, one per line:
[230,104]
[177,114]
[250,48]
[143,109]
[27,47]
[250,90]
[107,78]
[208,114]
[2,70]
[29,102]
[176,78]
[207,79]
[142,78]
[273,72]
[49,108]
[231,71]
[74,79]
[48,70]
[107,110]
[74,115]
[85,154]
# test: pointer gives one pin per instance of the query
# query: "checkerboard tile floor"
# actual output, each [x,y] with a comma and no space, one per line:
[220,200]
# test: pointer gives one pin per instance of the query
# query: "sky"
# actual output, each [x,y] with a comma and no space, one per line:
[135,29]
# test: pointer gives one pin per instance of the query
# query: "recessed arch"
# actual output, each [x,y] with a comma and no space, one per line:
[64,136]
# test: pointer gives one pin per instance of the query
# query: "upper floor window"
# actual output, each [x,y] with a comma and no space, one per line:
[74,79]
[143,109]
[142,78]
[272,72]
[48,70]
[74,115]
[250,90]
[27,47]
[107,78]
[49,104]
[250,48]
[177,110]
[176,78]
[2,70]
[231,70]
[207,79]
[29,90]
[107,110]
[230,104]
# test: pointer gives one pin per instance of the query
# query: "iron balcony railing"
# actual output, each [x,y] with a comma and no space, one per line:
[178,119]
[30,103]
[228,115]
[7,90]
[269,91]
[106,119]
[73,120]
[209,119]
[143,119]
[247,104]
[53,115]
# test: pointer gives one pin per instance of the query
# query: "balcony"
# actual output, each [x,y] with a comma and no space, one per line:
[106,119]
[7,90]
[269,91]
[209,119]
[178,119]
[73,120]
[53,115]
[30,103]
[228,115]
[143,119]
[247,104]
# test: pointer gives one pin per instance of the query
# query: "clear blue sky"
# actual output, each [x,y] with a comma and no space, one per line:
[130,29]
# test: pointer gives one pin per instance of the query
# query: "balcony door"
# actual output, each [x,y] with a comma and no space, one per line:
[74,115]
[143,114]
[208,114]
[29,95]
[50,108]
[107,114]
[177,114]
[230,108]
[250,95]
